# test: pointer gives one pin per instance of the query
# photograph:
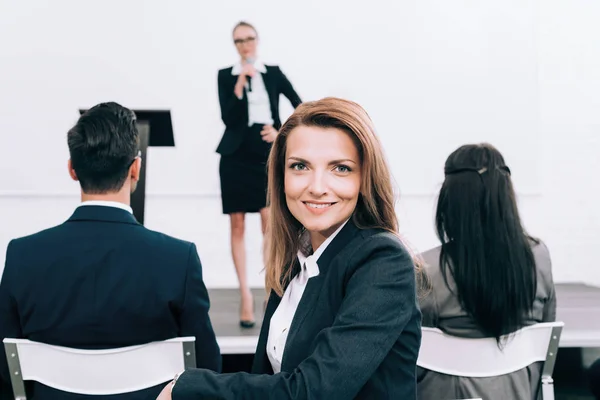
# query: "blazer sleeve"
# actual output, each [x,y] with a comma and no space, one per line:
[428,306]
[379,301]
[10,326]
[194,319]
[544,265]
[232,107]
[288,90]
[550,307]
[427,293]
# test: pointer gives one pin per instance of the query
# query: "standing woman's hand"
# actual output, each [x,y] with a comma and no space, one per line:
[268,133]
[247,70]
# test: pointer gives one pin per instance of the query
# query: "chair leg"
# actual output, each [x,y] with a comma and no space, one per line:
[14,368]
[547,389]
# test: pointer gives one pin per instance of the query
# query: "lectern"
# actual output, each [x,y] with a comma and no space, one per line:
[156,130]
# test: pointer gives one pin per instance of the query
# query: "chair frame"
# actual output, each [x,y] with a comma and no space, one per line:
[546,391]
[14,363]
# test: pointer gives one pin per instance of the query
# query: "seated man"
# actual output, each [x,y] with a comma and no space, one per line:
[100,279]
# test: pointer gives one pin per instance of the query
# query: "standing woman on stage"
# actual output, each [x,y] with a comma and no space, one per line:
[249,95]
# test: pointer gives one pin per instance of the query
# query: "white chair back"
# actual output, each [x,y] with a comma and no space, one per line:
[476,358]
[97,372]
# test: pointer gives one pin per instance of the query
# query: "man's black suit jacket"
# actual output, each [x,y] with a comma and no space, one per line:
[102,280]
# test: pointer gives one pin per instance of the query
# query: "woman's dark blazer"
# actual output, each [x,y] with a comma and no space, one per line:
[234,111]
[355,335]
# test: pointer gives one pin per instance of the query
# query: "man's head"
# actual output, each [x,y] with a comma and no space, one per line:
[103,146]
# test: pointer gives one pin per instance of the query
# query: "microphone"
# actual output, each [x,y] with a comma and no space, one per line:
[249,60]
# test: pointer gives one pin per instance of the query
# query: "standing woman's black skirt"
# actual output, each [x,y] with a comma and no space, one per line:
[244,174]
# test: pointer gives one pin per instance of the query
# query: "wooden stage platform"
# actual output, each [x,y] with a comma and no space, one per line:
[578,306]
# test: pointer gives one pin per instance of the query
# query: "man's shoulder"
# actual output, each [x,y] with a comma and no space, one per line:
[27,248]
[37,236]
[158,238]
[63,235]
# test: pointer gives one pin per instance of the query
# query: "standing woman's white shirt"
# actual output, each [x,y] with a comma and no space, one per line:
[283,316]
[259,105]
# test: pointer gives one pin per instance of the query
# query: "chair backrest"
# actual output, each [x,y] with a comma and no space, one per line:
[457,356]
[97,372]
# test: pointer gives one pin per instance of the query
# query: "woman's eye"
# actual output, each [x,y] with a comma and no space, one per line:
[298,166]
[342,169]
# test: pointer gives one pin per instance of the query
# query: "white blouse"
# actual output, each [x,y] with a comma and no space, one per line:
[281,320]
[259,105]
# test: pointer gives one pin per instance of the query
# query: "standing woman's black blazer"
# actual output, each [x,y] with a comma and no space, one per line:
[355,335]
[234,111]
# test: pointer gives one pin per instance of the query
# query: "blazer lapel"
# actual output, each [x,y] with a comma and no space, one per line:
[271,87]
[315,284]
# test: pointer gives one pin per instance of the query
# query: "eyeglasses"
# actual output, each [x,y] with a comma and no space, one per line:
[239,42]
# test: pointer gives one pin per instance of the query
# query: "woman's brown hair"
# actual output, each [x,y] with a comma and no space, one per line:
[375,207]
[246,24]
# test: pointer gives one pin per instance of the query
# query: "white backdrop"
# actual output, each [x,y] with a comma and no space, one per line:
[433,74]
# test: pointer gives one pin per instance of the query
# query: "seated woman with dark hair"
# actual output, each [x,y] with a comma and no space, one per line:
[489,277]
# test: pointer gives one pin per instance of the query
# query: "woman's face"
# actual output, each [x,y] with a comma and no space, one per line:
[246,42]
[322,179]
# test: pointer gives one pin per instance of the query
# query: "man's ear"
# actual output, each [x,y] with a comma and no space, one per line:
[72,172]
[135,170]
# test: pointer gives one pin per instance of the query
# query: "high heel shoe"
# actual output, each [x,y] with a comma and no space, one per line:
[247,324]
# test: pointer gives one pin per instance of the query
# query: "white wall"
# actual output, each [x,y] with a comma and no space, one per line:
[569,88]
[433,74]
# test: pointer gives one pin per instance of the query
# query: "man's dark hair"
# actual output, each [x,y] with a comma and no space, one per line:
[103,145]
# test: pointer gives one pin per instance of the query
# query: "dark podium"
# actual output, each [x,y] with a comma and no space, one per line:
[155,129]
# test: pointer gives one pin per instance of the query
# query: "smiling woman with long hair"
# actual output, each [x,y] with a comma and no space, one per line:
[489,277]
[342,321]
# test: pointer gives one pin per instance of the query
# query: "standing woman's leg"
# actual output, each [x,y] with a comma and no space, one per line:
[238,253]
